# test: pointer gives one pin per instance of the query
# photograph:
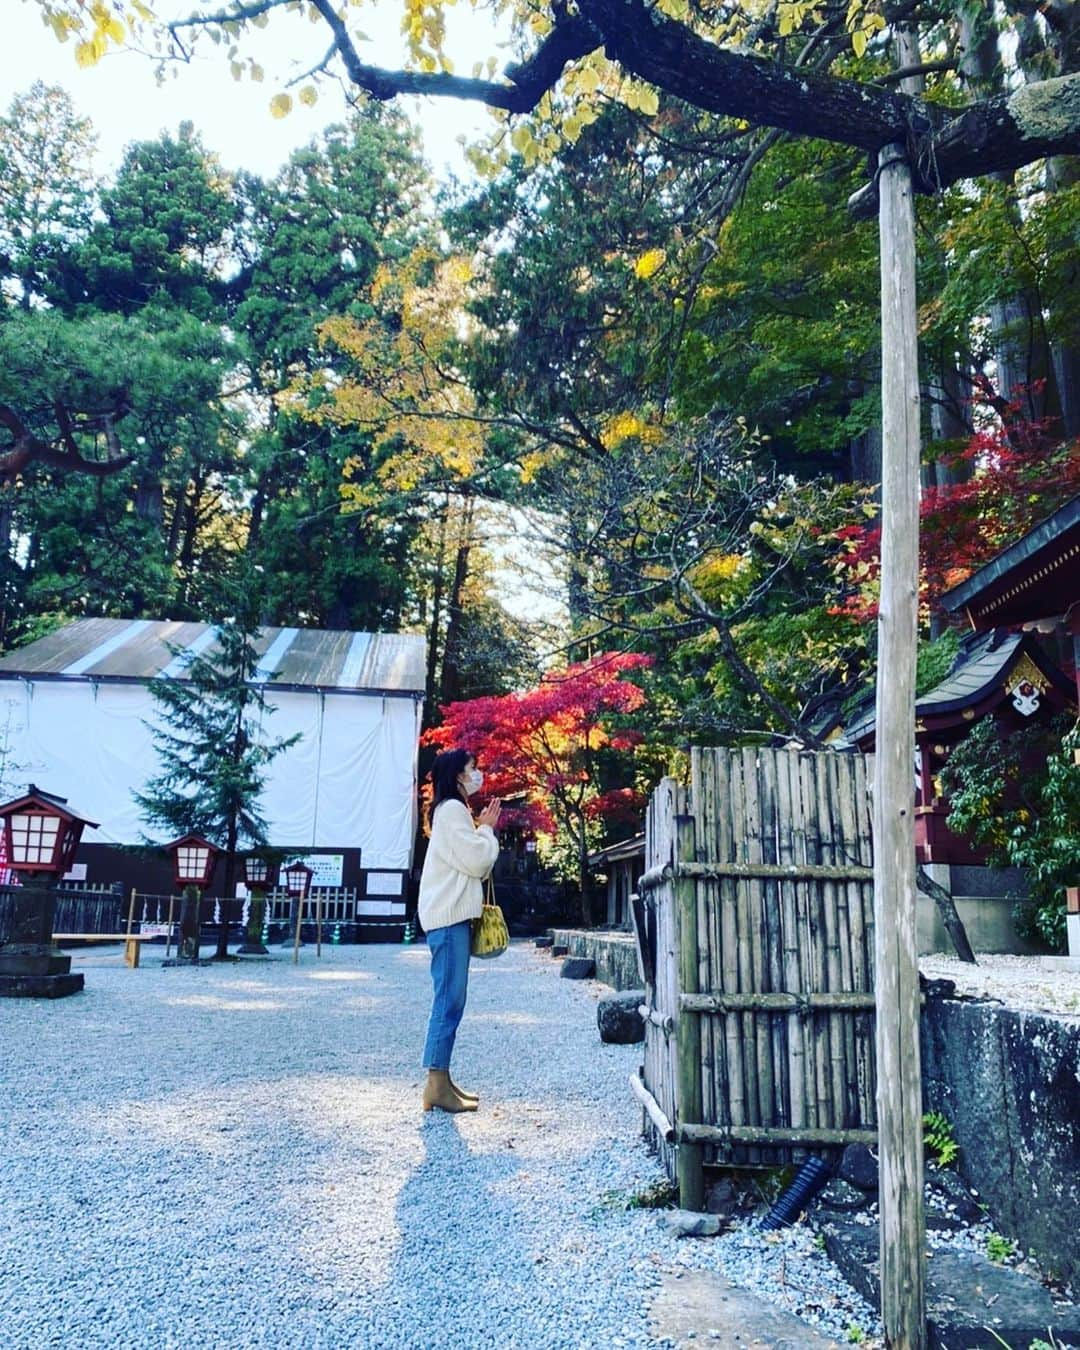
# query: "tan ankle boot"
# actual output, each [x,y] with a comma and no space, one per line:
[464,1093]
[439,1092]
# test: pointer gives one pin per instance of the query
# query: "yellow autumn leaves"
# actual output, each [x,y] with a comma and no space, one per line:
[861,21]
[97,25]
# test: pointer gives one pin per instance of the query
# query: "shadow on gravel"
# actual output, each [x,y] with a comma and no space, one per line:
[460,1241]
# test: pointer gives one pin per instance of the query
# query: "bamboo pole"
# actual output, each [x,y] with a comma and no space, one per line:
[299,921]
[168,927]
[689,1162]
[652,1109]
[318,924]
[774,1002]
[131,912]
[903,1300]
[727,1136]
[656,1019]
[660,876]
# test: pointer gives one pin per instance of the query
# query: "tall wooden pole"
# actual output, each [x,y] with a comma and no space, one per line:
[903,1307]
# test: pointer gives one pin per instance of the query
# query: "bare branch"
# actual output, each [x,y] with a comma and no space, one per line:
[27,449]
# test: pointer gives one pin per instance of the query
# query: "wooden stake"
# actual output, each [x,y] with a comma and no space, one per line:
[168,922]
[691,1173]
[296,939]
[903,1304]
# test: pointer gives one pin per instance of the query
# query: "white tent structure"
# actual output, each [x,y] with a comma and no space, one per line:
[75,708]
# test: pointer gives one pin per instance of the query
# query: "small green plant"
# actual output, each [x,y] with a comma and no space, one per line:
[1000,1249]
[939,1139]
[819,1241]
[855,1333]
[660,1195]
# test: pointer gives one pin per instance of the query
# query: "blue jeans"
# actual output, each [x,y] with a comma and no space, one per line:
[450,976]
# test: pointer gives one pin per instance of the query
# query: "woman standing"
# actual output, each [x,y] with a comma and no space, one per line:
[460,856]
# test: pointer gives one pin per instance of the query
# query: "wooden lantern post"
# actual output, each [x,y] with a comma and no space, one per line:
[41,834]
[194,859]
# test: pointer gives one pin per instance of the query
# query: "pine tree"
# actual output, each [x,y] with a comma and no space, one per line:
[209,741]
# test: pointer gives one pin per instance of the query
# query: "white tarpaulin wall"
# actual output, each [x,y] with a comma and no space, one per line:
[350,782]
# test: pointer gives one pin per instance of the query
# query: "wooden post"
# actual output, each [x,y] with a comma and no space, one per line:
[168,927]
[318,923]
[299,921]
[131,912]
[903,1308]
[690,1172]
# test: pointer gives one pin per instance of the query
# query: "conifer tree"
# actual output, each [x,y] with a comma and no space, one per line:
[208,734]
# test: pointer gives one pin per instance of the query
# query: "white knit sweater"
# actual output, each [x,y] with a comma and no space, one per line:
[459,857]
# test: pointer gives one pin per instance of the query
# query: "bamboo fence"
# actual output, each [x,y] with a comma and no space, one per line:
[755,918]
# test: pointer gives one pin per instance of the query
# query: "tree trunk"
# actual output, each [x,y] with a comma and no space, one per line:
[436,615]
[946,907]
[450,684]
[1021,355]
[584,879]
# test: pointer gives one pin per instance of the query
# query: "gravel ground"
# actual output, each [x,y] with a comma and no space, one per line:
[1018,981]
[234,1156]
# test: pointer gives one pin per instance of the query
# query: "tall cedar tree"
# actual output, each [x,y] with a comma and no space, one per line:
[209,741]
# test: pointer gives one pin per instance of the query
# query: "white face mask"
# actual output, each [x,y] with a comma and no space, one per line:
[473,781]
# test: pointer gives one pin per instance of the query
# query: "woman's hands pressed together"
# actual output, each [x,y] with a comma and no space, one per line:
[491,813]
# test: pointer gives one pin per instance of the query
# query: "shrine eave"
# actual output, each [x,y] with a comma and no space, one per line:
[1038,577]
[984,676]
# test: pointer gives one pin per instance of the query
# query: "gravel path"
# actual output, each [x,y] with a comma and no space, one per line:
[1018,981]
[234,1156]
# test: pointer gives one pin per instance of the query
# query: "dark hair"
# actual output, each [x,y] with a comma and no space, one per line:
[445,772]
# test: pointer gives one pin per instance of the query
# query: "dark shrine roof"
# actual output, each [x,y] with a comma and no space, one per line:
[978,677]
[1038,577]
[620,852]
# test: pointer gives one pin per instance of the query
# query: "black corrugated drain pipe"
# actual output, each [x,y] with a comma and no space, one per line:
[809,1179]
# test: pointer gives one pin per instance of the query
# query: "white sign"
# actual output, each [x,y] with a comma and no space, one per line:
[327,868]
[382,907]
[384,883]
[77,873]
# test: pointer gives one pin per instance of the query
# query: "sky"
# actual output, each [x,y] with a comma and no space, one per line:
[123,100]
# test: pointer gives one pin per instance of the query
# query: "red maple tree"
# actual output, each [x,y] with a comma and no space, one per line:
[1020,477]
[538,749]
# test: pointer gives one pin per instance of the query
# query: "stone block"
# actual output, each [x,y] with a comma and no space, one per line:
[545,941]
[559,949]
[842,1195]
[578,968]
[970,1301]
[618,1018]
[859,1167]
[689,1223]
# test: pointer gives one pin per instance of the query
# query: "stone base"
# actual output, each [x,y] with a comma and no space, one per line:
[252,949]
[970,1301]
[1061,964]
[185,961]
[40,986]
[39,961]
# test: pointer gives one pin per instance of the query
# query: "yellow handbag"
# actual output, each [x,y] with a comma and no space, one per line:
[490,935]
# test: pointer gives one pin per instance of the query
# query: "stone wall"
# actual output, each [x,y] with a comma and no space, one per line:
[615,954]
[1009,1082]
